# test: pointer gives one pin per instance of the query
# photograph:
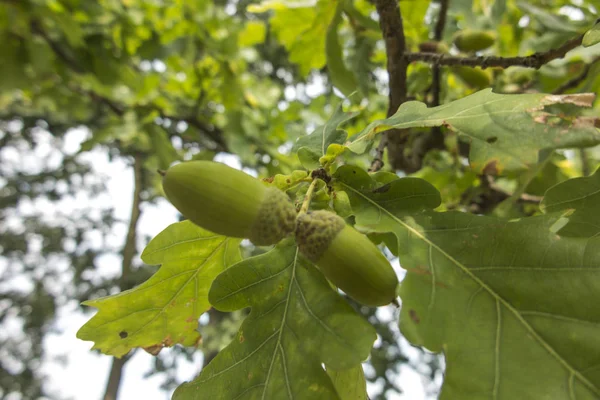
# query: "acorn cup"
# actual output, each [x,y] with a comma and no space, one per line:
[229,202]
[346,257]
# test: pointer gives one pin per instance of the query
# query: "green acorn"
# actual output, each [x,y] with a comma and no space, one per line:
[473,40]
[229,202]
[346,257]
[474,77]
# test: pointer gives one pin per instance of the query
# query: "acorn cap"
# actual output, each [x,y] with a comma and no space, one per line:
[275,219]
[346,257]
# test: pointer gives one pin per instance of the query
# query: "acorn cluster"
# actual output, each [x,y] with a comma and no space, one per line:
[229,202]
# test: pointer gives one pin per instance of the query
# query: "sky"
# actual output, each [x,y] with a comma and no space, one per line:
[84,375]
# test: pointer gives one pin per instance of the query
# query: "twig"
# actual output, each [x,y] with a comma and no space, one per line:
[436,138]
[392,29]
[576,81]
[503,209]
[377,162]
[213,133]
[437,36]
[535,60]
[36,27]
[308,196]
[527,198]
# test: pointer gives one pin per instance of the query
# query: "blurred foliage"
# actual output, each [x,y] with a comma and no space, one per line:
[195,79]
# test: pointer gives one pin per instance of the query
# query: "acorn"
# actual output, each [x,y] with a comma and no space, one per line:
[346,257]
[474,77]
[229,202]
[473,40]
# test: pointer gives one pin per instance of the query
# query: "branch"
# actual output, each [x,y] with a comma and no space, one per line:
[524,197]
[129,251]
[36,28]
[390,22]
[576,81]
[535,60]
[213,133]
[435,138]
[437,36]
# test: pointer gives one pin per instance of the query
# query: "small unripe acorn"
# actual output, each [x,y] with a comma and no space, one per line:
[433,47]
[474,77]
[473,40]
[229,202]
[346,257]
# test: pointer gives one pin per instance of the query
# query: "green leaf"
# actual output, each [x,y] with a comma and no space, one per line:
[285,182]
[297,322]
[550,21]
[592,36]
[254,33]
[161,146]
[349,383]
[164,310]
[581,195]
[511,304]
[301,27]
[406,195]
[341,77]
[312,147]
[506,132]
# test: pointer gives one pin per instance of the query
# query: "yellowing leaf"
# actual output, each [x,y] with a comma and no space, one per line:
[164,310]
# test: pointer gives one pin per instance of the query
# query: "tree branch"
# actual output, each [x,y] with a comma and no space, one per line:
[535,60]
[36,27]
[577,80]
[435,138]
[213,133]
[390,22]
[437,36]
[129,251]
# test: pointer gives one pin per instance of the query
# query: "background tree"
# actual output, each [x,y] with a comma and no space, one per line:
[154,83]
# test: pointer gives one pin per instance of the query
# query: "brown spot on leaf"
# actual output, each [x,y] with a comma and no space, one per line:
[123,334]
[269,179]
[190,319]
[578,99]
[491,168]
[154,350]
[413,315]
[242,339]
[167,342]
